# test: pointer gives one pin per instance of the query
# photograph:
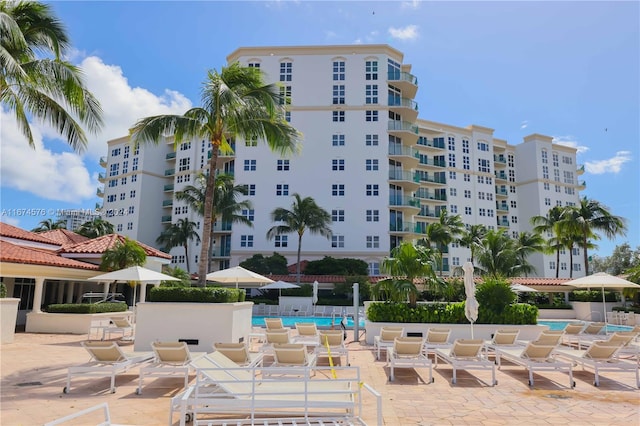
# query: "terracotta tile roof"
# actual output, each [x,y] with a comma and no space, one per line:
[12,253]
[309,279]
[64,237]
[11,231]
[540,281]
[101,244]
[303,265]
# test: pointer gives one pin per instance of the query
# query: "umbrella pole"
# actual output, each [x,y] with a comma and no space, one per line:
[604,309]
[472,329]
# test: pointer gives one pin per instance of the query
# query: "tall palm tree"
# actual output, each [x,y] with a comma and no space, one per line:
[443,233]
[472,238]
[304,215]
[36,81]
[551,224]
[235,102]
[590,218]
[49,225]
[526,244]
[123,255]
[179,234]
[497,255]
[95,228]
[226,206]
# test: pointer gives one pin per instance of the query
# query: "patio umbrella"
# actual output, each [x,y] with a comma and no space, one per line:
[236,275]
[134,273]
[470,304]
[279,285]
[315,292]
[602,280]
[519,288]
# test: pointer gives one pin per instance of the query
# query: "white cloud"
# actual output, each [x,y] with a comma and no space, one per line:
[410,32]
[610,165]
[524,124]
[413,4]
[570,141]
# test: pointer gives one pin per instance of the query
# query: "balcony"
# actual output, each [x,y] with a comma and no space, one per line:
[171,156]
[501,175]
[432,162]
[580,170]
[167,203]
[222,227]
[430,143]
[502,207]
[427,178]
[406,179]
[409,156]
[425,194]
[501,192]
[503,223]
[582,185]
[405,130]
[101,177]
[408,108]
[166,219]
[404,202]
[406,82]
[168,187]
[100,192]
[170,172]
[499,161]
[425,211]
[403,227]
[221,252]
[103,161]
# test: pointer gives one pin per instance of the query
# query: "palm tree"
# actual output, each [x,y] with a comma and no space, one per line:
[95,228]
[123,255]
[526,244]
[304,215]
[226,207]
[236,102]
[590,218]
[49,225]
[406,264]
[179,234]
[552,224]
[443,233]
[50,89]
[497,255]
[472,238]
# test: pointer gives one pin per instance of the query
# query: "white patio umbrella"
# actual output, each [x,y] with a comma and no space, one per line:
[519,288]
[236,275]
[279,285]
[470,304]
[602,280]
[134,273]
[315,292]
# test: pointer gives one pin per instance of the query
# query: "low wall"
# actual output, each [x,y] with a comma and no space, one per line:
[204,323]
[458,331]
[8,317]
[44,322]
[544,314]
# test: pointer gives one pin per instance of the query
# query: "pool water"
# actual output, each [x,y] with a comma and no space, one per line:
[560,325]
[325,322]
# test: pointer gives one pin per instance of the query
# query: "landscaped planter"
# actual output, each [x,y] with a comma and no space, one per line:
[8,316]
[544,314]
[44,322]
[199,324]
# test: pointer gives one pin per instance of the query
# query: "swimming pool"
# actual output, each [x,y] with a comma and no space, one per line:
[258,321]
[560,325]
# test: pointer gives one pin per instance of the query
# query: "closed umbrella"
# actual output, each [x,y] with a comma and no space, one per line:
[470,304]
[236,275]
[315,292]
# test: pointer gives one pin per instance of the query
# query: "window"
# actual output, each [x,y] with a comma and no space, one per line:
[285,95]
[373,241]
[281,241]
[577,267]
[567,160]
[338,94]
[123,181]
[127,149]
[371,94]
[554,156]
[136,150]
[546,186]
[545,158]
[131,209]
[556,175]
[113,182]
[337,164]
[338,116]
[371,140]
[184,164]
[482,212]
[123,196]
[489,196]
[115,152]
[248,214]
[452,175]
[246,240]
[547,201]
[373,215]
[467,193]
[374,268]
[451,143]
[111,198]
[480,179]
[466,163]
[465,146]
[338,70]
[337,215]
[372,190]
[119,227]
[287,116]
[371,115]
[552,265]
[129,226]
[452,160]
[455,261]
[125,167]
[453,192]
[512,189]
[250,189]
[514,219]
[286,69]
[185,146]
[568,177]
[251,142]
[134,178]
[371,70]
[282,189]
[249,165]
[490,212]
[467,211]
[337,190]
[371,164]
[454,209]
[282,165]
[483,146]
[337,241]
[254,64]
[114,169]
[337,140]
[481,195]
[467,177]
[484,165]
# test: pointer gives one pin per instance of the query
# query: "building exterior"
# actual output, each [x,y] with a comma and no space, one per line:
[74,218]
[383,173]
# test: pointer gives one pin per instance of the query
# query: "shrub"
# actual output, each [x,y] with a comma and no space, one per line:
[592,296]
[554,306]
[495,295]
[87,308]
[197,294]
[3,291]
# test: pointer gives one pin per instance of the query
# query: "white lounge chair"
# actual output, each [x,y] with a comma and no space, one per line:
[386,338]
[103,407]
[120,325]
[588,333]
[170,359]
[467,354]
[601,356]
[272,337]
[407,352]
[534,357]
[239,353]
[332,345]
[437,338]
[307,334]
[107,360]
[274,324]
[292,355]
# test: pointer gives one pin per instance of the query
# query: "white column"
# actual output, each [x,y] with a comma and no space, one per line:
[79,291]
[61,285]
[37,294]
[71,287]
[143,293]
[106,290]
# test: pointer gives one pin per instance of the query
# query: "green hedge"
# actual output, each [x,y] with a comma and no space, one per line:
[87,308]
[449,313]
[3,291]
[197,294]
[592,296]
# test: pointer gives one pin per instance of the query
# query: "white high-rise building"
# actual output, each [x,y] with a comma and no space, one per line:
[366,158]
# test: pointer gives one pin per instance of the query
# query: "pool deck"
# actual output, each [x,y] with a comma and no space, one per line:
[34,367]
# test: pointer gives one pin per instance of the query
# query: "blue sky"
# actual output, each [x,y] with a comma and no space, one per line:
[565,69]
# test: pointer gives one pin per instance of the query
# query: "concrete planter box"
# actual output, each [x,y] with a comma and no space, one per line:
[8,317]
[591,311]
[458,331]
[544,314]
[200,324]
[44,322]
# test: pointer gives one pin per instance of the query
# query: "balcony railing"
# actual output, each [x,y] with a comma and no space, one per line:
[433,162]
[403,175]
[430,195]
[503,222]
[501,175]
[502,207]
[580,170]
[402,200]
[501,191]
[103,161]
[99,192]
[168,187]
[424,177]
[395,149]
[431,143]
[403,102]
[166,219]
[170,172]
[171,156]
[222,227]
[221,252]
[582,184]
[101,177]
[499,159]
[402,76]
[167,203]
[401,227]
[404,126]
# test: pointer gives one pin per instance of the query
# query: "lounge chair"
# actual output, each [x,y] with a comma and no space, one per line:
[534,357]
[239,353]
[107,360]
[467,354]
[587,334]
[103,406]
[272,337]
[437,338]
[170,359]
[601,356]
[332,345]
[307,334]
[629,348]
[407,352]
[120,325]
[385,338]
[274,324]
[293,355]
[503,338]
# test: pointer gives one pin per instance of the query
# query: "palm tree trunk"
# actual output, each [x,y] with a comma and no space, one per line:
[298,263]
[210,248]
[208,213]
[586,256]
[570,262]
[557,263]
[186,254]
